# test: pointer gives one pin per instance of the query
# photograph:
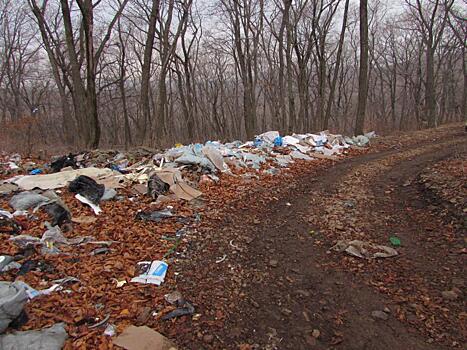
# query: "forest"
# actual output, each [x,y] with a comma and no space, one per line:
[119,73]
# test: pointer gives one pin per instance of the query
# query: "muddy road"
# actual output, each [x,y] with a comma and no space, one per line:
[266,277]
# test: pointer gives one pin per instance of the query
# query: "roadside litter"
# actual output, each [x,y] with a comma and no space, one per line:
[96,209]
[8,224]
[173,178]
[52,238]
[55,236]
[364,250]
[84,219]
[100,323]
[27,200]
[7,188]
[49,200]
[13,297]
[62,179]
[109,194]
[57,286]
[266,153]
[8,263]
[63,162]
[361,140]
[59,213]
[38,195]
[151,272]
[23,241]
[99,251]
[110,330]
[156,216]
[395,241]
[87,188]
[35,265]
[218,261]
[51,338]
[143,338]
[184,307]
[157,187]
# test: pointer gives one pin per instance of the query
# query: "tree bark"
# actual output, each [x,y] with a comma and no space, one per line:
[68,124]
[332,88]
[121,86]
[430,97]
[146,71]
[363,74]
[464,94]
[79,91]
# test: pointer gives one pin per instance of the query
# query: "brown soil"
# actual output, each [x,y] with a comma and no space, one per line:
[256,260]
[281,287]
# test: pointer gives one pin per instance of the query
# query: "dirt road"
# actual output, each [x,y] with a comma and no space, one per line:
[266,278]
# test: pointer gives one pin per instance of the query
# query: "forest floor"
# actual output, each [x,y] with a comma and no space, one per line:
[256,258]
[281,286]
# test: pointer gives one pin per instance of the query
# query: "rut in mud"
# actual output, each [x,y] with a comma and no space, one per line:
[267,278]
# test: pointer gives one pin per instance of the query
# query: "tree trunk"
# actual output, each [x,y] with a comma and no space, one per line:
[249,110]
[79,92]
[92,116]
[363,74]
[337,67]
[121,86]
[321,84]
[404,103]
[430,102]
[464,94]
[282,96]
[146,71]
[393,88]
[290,78]
[162,108]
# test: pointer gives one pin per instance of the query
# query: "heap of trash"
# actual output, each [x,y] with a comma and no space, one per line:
[162,174]
[33,190]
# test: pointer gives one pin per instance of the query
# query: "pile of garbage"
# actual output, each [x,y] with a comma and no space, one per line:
[13,298]
[162,172]
[34,191]
[161,175]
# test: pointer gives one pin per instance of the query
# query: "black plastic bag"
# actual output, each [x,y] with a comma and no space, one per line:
[64,162]
[9,225]
[59,214]
[88,188]
[156,216]
[157,187]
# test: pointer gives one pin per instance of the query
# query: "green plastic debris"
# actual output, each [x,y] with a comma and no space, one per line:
[395,241]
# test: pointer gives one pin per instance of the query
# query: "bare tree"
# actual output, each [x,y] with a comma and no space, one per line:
[146,70]
[155,72]
[458,25]
[431,17]
[84,92]
[123,41]
[337,66]
[246,24]
[363,74]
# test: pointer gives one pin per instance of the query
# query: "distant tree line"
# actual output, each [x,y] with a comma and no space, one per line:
[90,73]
